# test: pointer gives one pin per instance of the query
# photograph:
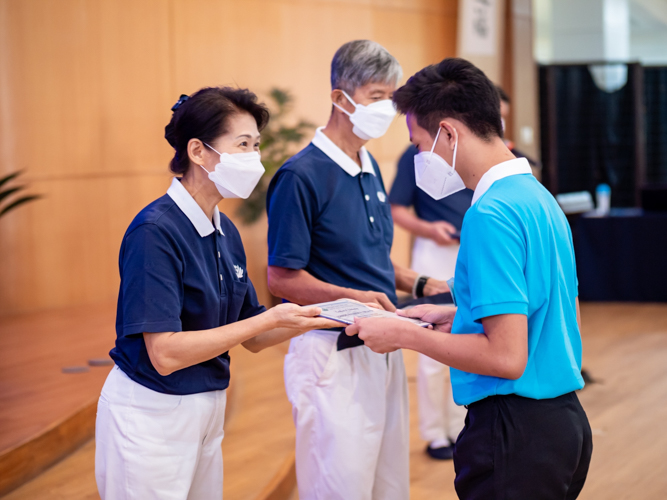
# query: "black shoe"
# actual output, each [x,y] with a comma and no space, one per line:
[442,453]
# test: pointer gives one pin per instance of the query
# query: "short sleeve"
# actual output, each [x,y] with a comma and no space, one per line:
[251,306]
[496,259]
[404,186]
[151,288]
[574,261]
[290,206]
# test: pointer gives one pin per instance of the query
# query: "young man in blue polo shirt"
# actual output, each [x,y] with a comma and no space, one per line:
[330,236]
[436,226]
[513,342]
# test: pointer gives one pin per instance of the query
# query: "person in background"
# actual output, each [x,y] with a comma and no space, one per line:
[513,343]
[436,226]
[330,236]
[504,116]
[185,299]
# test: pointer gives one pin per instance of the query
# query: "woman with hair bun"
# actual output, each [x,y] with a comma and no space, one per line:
[185,299]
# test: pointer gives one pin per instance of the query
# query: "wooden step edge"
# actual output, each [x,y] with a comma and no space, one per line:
[28,459]
[282,485]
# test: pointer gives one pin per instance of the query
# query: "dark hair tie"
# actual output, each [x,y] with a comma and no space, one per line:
[181,100]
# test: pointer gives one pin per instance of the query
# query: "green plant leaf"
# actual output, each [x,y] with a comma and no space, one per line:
[7,178]
[279,143]
[19,202]
[282,97]
[10,191]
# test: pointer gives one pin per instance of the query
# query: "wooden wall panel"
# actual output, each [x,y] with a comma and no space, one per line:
[88,81]
[65,251]
[492,65]
[525,104]
[85,92]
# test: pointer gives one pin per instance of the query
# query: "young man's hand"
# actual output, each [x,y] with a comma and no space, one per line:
[441,317]
[380,335]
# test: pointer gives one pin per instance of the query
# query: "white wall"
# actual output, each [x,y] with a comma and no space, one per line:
[600,30]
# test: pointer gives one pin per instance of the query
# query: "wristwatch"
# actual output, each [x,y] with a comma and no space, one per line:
[418,286]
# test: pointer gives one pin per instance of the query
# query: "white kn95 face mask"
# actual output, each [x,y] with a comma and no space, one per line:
[434,175]
[371,121]
[237,174]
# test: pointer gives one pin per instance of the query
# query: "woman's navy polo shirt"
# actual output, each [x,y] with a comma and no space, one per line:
[179,272]
[405,192]
[332,218]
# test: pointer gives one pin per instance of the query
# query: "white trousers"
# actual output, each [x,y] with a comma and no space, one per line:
[350,409]
[150,445]
[440,418]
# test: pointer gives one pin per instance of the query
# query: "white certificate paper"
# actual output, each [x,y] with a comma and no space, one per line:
[346,310]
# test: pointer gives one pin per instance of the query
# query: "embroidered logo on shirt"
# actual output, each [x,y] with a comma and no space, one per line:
[239,271]
[381,196]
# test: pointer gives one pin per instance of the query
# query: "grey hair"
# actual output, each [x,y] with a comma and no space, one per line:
[360,62]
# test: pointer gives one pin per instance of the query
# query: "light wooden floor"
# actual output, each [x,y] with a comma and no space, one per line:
[259,436]
[625,347]
[34,393]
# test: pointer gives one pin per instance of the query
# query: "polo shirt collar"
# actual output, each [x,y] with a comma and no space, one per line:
[192,210]
[505,169]
[336,154]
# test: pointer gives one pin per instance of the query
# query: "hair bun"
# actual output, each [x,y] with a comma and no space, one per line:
[169,134]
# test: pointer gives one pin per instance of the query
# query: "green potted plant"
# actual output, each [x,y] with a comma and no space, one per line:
[11,196]
[279,142]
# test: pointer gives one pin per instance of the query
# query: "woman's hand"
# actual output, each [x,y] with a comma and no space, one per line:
[302,319]
[441,317]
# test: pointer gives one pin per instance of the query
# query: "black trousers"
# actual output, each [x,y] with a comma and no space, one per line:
[515,448]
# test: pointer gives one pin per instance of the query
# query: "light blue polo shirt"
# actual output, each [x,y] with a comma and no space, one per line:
[517,257]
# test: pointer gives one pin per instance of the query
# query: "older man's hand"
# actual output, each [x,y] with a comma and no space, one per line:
[381,335]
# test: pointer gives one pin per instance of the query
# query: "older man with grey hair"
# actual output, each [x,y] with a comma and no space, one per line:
[330,236]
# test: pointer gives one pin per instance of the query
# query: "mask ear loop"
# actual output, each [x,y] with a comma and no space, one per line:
[210,147]
[456,145]
[434,143]
[349,99]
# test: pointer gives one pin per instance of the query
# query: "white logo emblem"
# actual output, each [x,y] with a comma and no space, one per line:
[239,271]
[381,196]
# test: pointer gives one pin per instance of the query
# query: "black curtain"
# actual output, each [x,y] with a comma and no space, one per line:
[655,98]
[591,130]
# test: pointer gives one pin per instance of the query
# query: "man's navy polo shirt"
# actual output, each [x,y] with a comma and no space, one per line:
[179,273]
[405,192]
[332,218]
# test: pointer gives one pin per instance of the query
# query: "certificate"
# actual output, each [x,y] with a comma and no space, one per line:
[346,310]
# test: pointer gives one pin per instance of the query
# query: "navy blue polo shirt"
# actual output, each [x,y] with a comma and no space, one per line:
[405,192]
[332,218]
[179,272]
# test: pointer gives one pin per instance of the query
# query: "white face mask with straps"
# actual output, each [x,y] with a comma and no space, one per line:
[434,175]
[371,121]
[237,174]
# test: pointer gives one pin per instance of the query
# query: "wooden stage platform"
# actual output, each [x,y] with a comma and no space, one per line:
[625,348]
[45,414]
